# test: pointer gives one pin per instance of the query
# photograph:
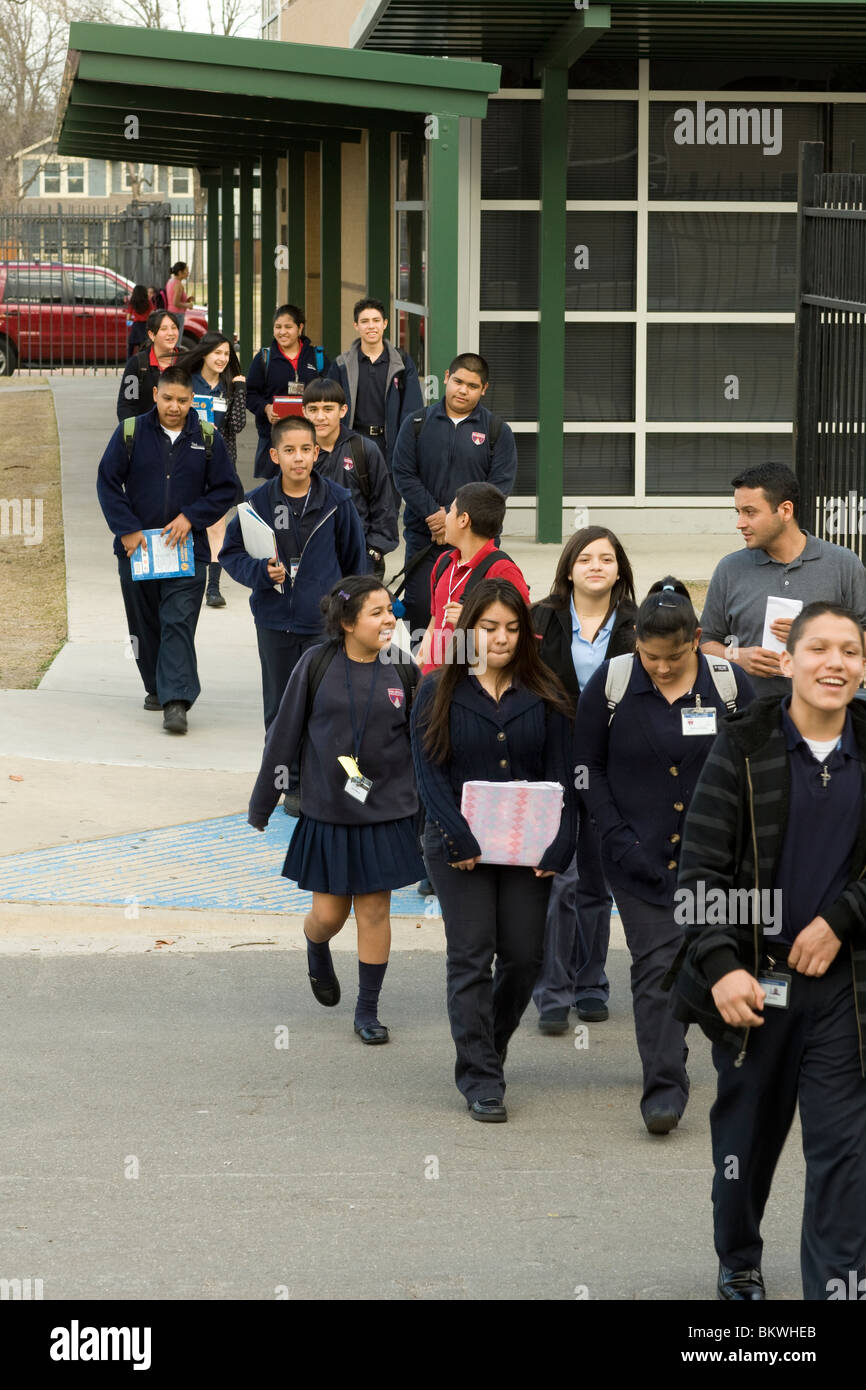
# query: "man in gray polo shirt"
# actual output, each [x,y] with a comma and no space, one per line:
[780,559]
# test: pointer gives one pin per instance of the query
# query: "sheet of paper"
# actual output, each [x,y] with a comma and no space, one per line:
[778,607]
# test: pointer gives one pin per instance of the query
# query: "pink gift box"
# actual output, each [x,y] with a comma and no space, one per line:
[513,822]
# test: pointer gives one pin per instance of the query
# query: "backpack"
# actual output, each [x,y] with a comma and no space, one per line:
[496,423]
[359,458]
[324,655]
[159,300]
[265,354]
[207,434]
[475,576]
[619,674]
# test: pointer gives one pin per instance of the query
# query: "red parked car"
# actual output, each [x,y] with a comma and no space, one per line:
[55,315]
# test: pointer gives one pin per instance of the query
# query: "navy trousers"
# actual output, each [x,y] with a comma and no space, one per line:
[161,616]
[264,466]
[807,1053]
[416,596]
[493,912]
[653,939]
[577,934]
[279,653]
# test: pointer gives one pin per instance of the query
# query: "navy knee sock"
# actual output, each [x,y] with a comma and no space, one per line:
[370,979]
[319,962]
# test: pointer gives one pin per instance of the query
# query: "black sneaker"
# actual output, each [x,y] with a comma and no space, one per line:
[214,599]
[553,1021]
[151,702]
[591,1010]
[174,717]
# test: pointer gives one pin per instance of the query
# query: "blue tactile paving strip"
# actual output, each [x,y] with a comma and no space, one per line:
[217,865]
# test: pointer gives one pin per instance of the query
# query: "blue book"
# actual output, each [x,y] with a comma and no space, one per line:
[204,406]
[162,561]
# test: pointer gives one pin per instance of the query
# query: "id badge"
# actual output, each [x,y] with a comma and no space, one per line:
[358,787]
[293,569]
[776,984]
[699,721]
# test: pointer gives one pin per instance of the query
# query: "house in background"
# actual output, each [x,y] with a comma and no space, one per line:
[104,185]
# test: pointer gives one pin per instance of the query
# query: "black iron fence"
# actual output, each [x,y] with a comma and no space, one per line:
[66,278]
[830,426]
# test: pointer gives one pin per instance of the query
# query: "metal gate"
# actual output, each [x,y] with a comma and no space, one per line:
[830,424]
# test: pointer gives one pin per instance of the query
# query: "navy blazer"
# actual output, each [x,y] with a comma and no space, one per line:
[530,738]
[641,773]
[553,626]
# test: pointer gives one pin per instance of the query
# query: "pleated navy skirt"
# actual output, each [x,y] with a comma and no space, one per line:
[349,859]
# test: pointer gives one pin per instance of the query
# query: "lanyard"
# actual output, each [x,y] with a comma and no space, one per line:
[296,535]
[358,734]
[454,580]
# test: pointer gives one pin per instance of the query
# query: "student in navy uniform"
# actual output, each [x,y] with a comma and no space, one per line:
[379,381]
[493,712]
[169,477]
[355,840]
[319,539]
[587,618]
[354,462]
[645,724]
[455,441]
[143,370]
[780,990]
[290,357]
[216,372]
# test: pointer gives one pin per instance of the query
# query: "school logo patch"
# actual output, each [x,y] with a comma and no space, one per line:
[478,438]
[397,697]
[348,462]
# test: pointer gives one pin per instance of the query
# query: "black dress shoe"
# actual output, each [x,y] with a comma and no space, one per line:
[592,1010]
[174,717]
[741,1285]
[326,991]
[372,1032]
[553,1021]
[491,1111]
[152,702]
[214,599]
[661,1121]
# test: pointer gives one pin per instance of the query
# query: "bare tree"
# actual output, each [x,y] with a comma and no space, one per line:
[228,16]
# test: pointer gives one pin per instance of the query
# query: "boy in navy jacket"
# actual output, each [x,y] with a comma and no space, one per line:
[457,440]
[167,475]
[319,540]
[380,381]
[291,357]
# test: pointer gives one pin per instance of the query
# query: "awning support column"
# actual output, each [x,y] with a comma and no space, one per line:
[268,184]
[551,303]
[211,184]
[245,238]
[331,199]
[442,242]
[227,207]
[297,226]
[378,217]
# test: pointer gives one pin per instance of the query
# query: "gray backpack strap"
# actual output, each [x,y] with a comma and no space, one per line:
[619,670]
[724,680]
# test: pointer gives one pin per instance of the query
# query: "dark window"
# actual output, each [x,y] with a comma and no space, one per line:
[735,261]
[683,165]
[411,233]
[599,371]
[604,72]
[848,143]
[750,75]
[511,350]
[33,286]
[94,287]
[511,150]
[602,150]
[720,371]
[509,260]
[526,481]
[598,465]
[603,276]
[704,464]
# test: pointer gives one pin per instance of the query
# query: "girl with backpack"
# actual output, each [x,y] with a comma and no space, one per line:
[346,711]
[216,372]
[492,712]
[587,617]
[645,724]
[291,361]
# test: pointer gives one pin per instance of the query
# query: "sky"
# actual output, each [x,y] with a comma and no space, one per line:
[195,13]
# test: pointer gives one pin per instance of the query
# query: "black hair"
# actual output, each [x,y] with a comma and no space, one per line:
[175,376]
[346,599]
[293,312]
[485,505]
[193,358]
[178,267]
[471,362]
[363,304]
[815,610]
[562,587]
[667,611]
[139,300]
[777,481]
[322,388]
[155,319]
[291,423]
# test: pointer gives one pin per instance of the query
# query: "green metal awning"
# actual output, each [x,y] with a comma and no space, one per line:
[201,98]
[507,30]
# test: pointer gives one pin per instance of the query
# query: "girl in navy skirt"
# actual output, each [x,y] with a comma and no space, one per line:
[346,711]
